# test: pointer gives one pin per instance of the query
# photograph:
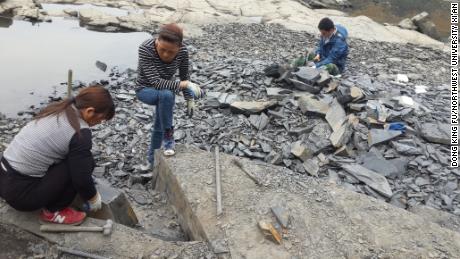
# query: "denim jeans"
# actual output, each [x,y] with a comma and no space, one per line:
[164,102]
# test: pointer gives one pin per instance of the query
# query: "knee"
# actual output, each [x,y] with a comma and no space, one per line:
[167,96]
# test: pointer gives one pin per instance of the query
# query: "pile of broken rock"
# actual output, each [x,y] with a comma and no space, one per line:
[377,130]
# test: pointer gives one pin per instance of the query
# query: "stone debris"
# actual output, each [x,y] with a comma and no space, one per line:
[436,132]
[369,177]
[336,115]
[252,107]
[259,121]
[101,65]
[378,136]
[311,104]
[282,215]
[283,114]
[308,75]
[301,151]
[311,166]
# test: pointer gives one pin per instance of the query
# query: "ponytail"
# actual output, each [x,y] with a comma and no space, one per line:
[93,96]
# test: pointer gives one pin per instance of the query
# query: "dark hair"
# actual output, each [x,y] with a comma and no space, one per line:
[326,24]
[93,96]
[171,33]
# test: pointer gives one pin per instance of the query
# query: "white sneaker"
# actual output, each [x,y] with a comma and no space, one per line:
[169,152]
[146,167]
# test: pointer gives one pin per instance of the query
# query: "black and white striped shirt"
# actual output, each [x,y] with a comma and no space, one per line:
[51,140]
[153,72]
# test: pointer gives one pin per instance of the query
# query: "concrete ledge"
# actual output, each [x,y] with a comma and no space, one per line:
[325,221]
[124,242]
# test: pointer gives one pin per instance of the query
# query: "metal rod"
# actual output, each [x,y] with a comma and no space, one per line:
[69,84]
[218,186]
[80,253]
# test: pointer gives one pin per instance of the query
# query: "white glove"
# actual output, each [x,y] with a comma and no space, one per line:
[190,107]
[94,203]
[195,90]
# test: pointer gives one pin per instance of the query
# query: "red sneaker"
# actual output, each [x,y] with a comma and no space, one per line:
[66,216]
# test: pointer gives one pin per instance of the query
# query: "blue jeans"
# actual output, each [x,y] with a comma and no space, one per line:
[164,102]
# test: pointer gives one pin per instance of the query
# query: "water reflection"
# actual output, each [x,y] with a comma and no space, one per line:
[393,11]
[33,59]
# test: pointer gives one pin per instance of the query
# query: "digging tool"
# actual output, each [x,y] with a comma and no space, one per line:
[80,253]
[106,229]
[218,185]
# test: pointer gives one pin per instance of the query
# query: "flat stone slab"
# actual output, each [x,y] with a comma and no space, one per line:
[254,107]
[124,242]
[325,221]
[436,133]
[377,136]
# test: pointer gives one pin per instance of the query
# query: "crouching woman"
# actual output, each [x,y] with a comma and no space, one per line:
[49,161]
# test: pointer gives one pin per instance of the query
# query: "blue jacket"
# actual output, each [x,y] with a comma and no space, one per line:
[335,50]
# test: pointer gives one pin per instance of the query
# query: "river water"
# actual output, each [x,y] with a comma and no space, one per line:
[393,11]
[35,58]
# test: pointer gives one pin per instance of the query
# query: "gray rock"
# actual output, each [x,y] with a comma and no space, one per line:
[101,65]
[378,136]
[345,151]
[282,215]
[220,100]
[125,97]
[377,111]
[99,171]
[265,147]
[387,168]
[421,17]
[302,86]
[336,115]
[406,147]
[259,121]
[324,79]
[436,133]
[420,181]
[425,26]
[308,75]
[311,166]
[299,150]
[407,24]
[301,131]
[318,140]
[253,107]
[142,116]
[179,134]
[372,179]
[313,104]
[341,136]
[357,106]
[277,93]
[274,158]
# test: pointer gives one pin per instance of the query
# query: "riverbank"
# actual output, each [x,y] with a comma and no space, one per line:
[145,15]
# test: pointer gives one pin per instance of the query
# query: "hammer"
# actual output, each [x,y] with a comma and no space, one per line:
[106,229]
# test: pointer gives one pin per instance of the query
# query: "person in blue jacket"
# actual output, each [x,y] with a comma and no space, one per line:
[332,51]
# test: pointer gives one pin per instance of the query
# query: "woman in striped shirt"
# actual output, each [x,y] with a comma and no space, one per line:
[159,59]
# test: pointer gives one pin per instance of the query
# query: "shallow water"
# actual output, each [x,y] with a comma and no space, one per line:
[35,58]
[393,11]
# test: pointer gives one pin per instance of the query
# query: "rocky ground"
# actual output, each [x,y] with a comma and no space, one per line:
[229,61]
